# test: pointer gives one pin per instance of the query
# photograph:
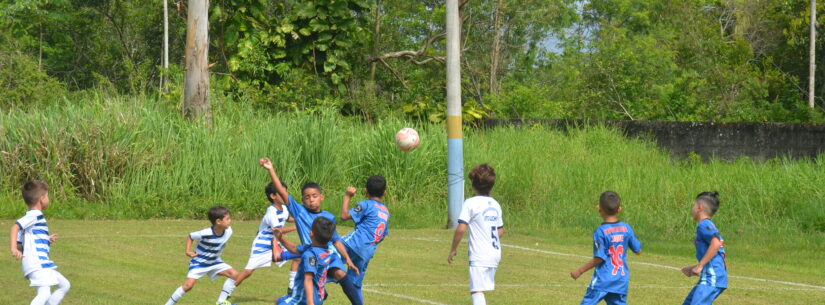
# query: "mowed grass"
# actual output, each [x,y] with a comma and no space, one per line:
[143,262]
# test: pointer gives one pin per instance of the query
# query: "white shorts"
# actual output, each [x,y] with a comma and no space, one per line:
[212,271]
[261,260]
[44,278]
[482,278]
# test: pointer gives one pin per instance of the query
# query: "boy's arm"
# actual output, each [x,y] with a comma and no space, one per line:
[500,232]
[15,229]
[285,230]
[713,248]
[288,245]
[189,252]
[310,290]
[343,251]
[345,208]
[267,164]
[459,233]
[575,274]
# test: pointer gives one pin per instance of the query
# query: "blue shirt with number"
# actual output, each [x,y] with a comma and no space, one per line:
[715,272]
[304,218]
[371,226]
[610,243]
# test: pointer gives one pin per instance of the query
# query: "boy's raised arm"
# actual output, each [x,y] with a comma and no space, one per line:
[345,207]
[267,164]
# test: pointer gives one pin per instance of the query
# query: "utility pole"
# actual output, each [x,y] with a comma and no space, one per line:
[812,64]
[455,148]
[165,57]
[196,85]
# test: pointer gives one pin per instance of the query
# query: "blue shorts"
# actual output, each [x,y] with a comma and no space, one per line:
[292,300]
[592,297]
[361,263]
[703,294]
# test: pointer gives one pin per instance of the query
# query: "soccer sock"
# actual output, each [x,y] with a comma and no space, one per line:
[228,286]
[43,293]
[292,275]
[350,290]
[478,299]
[63,287]
[176,296]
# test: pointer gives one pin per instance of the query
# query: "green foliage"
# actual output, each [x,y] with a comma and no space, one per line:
[24,84]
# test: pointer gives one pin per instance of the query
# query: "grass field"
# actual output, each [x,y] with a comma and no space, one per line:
[142,262]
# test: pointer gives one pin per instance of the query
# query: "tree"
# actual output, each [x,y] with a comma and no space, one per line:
[196,87]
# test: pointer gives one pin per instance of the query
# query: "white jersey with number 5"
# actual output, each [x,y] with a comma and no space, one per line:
[483,215]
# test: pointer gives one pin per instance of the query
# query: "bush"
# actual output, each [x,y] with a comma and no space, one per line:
[24,84]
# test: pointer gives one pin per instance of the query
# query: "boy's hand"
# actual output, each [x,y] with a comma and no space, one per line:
[265,163]
[575,274]
[687,271]
[191,254]
[697,270]
[52,238]
[350,265]
[277,232]
[451,257]
[16,254]
[350,192]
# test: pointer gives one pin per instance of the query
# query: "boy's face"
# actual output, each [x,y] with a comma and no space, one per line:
[276,199]
[224,222]
[697,210]
[312,199]
[44,201]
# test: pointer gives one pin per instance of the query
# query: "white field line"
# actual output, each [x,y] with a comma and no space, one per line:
[813,287]
[401,296]
[498,285]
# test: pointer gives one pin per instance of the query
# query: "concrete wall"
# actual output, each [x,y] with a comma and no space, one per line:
[760,141]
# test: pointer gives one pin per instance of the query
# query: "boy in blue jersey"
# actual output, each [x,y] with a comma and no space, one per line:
[30,241]
[207,260]
[611,240]
[315,261]
[371,219]
[710,252]
[312,197]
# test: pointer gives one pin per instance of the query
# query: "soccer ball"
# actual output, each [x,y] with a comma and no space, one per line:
[407,139]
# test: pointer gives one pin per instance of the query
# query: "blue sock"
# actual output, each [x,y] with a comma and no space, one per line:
[351,291]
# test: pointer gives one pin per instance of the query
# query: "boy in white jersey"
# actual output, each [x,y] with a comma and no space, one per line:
[30,234]
[265,247]
[482,214]
[206,259]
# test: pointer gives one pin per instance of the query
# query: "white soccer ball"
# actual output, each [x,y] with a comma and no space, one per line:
[407,139]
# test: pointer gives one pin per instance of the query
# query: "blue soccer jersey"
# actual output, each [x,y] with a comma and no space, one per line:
[314,260]
[715,273]
[610,243]
[304,218]
[371,226]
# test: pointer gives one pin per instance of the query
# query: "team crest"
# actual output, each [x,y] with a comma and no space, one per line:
[358,209]
[312,261]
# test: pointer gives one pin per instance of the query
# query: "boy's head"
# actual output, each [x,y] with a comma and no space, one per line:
[322,230]
[483,177]
[312,196]
[376,186]
[610,203]
[36,193]
[272,193]
[220,216]
[707,203]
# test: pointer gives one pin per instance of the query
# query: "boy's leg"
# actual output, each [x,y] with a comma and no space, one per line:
[593,297]
[336,267]
[42,297]
[63,287]
[178,294]
[615,299]
[228,285]
[358,279]
[293,271]
[703,294]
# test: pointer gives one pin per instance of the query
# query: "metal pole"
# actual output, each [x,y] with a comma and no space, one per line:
[165,59]
[812,65]
[455,153]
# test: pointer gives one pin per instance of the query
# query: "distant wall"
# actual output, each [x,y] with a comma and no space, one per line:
[759,141]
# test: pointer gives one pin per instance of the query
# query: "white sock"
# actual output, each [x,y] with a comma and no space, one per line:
[478,299]
[63,287]
[176,296]
[43,293]
[228,287]
[292,279]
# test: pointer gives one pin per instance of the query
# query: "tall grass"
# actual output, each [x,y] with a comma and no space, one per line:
[119,159]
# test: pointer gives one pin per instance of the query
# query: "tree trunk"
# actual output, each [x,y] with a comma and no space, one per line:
[196,86]
[812,64]
[376,37]
[494,52]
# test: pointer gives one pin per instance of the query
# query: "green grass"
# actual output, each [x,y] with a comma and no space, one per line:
[142,262]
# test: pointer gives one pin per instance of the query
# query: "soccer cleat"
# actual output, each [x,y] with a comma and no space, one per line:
[224,303]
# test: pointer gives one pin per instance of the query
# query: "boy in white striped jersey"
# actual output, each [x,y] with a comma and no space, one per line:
[30,241]
[264,247]
[207,259]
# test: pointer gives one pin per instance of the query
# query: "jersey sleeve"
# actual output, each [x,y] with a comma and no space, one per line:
[199,234]
[707,231]
[26,222]
[500,221]
[600,246]
[295,209]
[634,243]
[466,214]
[358,211]
[309,262]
